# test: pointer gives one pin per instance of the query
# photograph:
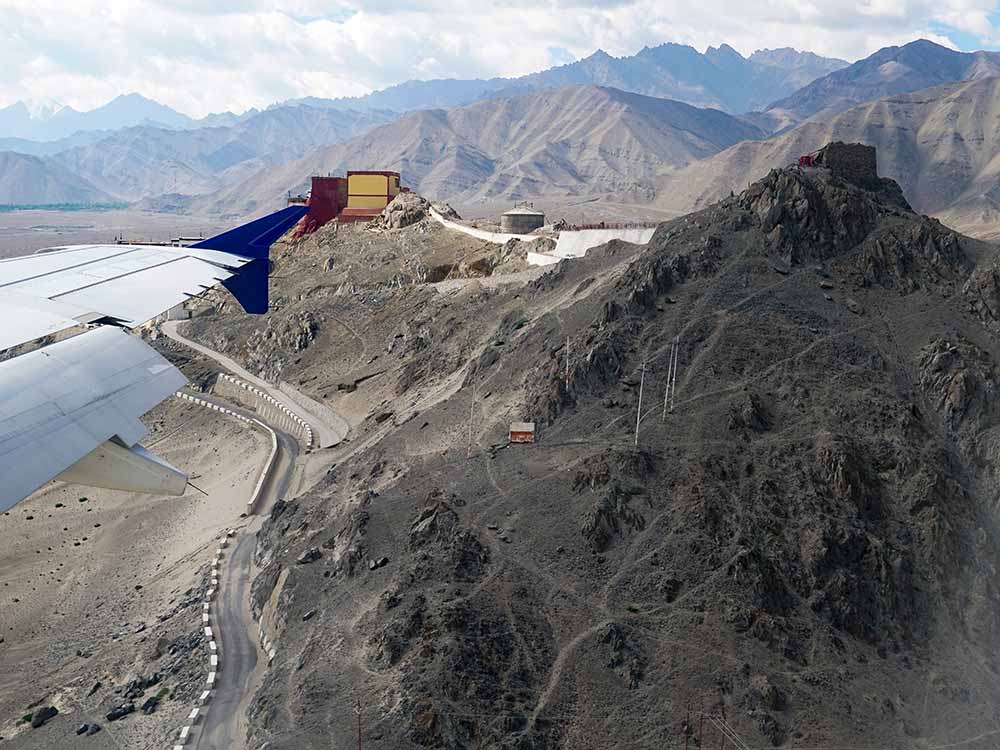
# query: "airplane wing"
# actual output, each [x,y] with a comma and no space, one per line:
[73,384]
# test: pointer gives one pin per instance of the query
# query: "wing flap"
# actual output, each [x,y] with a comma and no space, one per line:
[59,403]
[142,295]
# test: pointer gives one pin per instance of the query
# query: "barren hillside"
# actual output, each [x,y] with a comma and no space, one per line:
[28,180]
[890,71]
[146,161]
[806,545]
[571,141]
[941,145]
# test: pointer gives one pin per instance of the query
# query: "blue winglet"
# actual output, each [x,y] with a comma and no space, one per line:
[253,240]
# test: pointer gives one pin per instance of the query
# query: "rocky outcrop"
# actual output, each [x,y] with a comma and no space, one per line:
[961,381]
[612,517]
[268,348]
[404,210]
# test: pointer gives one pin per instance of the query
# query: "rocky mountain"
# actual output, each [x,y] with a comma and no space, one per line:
[939,144]
[580,140]
[48,148]
[804,548]
[720,78]
[890,71]
[54,122]
[29,180]
[138,162]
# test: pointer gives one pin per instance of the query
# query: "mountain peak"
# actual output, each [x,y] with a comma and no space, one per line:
[42,108]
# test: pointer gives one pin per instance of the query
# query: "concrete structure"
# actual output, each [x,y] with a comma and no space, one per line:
[854,162]
[498,238]
[522,432]
[575,244]
[522,219]
[360,196]
[368,193]
[327,198]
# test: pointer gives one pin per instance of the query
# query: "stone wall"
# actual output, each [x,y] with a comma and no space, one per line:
[853,162]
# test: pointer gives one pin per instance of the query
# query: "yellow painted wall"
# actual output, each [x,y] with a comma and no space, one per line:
[367,201]
[367,184]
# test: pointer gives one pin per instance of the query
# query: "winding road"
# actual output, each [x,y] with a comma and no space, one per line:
[330,427]
[223,727]
[237,652]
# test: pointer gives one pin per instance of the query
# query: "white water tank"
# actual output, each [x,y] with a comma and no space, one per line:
[522,220]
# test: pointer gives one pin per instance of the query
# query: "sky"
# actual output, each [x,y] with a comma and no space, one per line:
[201,56]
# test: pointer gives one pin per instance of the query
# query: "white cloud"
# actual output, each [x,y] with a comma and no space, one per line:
[198,56]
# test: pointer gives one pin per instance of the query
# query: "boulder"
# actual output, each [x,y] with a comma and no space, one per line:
[42,715]
[405,210]
[310,555]
[120,712]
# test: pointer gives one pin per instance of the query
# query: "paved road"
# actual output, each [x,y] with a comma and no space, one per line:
[237,651]
[222,727]
[329,427]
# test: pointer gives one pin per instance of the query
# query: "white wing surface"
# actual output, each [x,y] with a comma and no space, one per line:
[60,403]
[71,410]
[124,283]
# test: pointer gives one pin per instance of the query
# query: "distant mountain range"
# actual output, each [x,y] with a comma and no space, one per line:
[941,144]
[134,148]
[47,120]
[927,108]
[893,70]
[576,140]
[138,162]
[28,180]
[720,78]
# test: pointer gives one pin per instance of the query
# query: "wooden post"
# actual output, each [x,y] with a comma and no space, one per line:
[357,710]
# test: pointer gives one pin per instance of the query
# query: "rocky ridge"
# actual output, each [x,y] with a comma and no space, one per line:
[805,545]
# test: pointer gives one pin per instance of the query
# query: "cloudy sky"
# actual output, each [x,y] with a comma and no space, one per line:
[200,56]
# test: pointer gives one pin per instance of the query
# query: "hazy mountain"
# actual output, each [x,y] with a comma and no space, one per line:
[941,144]
[720,78]
[47,148]
[570,141]
[892,70]
[28,180]
[142,161]
[53,123]
[45,120]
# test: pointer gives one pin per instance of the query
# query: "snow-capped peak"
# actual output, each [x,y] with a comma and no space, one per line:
[42,108]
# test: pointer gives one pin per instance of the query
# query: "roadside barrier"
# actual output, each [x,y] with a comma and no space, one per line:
[214,665]
[307,431]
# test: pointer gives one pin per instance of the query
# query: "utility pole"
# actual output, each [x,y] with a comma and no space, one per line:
[638,413]
[472,409]
[673,383]
[357,710]
[472,406]
[670,369]
[687,727]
